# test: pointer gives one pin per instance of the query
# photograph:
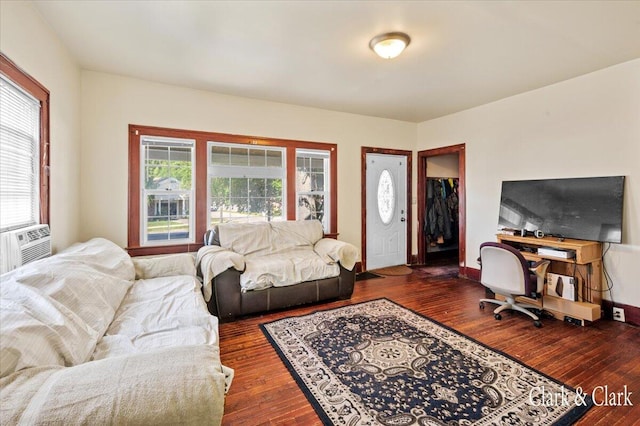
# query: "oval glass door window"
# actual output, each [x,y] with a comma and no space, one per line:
[386,197]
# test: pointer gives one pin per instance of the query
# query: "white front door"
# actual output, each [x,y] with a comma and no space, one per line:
[386,204]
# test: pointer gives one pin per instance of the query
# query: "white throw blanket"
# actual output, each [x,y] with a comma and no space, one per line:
[157,363]
[274,254]
[337,251]
[120,390]
[284,268]
[214,260]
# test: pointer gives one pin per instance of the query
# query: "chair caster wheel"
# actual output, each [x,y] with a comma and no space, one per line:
[481,305]
[497,316]
[538,324]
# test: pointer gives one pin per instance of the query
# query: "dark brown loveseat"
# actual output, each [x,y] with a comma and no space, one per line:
[259,267]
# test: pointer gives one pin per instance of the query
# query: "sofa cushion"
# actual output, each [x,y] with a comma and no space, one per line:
[90,279]
[291,234]
[37,330]
[245,238]
[159,313]
[56,309]
[91,295]
[164,266]
[182,385]
[102,255]
[284,268]
[268,237]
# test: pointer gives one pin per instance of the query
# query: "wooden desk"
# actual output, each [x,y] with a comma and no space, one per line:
[586,267]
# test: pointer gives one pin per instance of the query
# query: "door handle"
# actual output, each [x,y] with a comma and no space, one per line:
[402,219]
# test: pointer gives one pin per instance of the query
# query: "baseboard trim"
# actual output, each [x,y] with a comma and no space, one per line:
[470,273]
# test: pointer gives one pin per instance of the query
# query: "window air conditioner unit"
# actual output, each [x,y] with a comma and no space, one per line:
[24,245]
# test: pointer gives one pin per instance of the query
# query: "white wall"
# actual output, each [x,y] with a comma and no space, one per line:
[110,103]
[27,40]
[586,126]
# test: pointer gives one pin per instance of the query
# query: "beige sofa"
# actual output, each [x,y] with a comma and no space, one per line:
[257,267]
[90,336]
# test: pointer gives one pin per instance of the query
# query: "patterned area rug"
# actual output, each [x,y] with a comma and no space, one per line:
[377,363]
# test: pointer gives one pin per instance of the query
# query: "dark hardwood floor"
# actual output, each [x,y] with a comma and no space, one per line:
[603,355]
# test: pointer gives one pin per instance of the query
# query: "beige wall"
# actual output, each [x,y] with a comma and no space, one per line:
[586,126]
[110,103]
[26,39]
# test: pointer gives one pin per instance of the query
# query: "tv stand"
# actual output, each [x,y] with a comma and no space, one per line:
[583,262]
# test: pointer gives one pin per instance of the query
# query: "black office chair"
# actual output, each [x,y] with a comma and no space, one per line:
[506,272]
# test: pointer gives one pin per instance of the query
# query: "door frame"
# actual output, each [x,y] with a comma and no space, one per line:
[363,196]
[458,150]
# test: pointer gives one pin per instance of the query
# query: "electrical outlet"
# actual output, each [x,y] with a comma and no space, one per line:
[618,314]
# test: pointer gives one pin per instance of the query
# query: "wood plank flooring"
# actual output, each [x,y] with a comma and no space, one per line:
[603,354]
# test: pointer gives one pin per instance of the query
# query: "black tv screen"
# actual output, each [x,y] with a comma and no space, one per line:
[580,208]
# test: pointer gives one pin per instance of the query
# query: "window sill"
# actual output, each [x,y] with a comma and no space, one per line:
[158,250]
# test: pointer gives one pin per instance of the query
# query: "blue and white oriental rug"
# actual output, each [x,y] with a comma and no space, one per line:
[377,363]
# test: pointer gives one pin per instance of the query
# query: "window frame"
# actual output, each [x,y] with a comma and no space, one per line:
[201,214]
[229,171]
[144,192]
[325,156]
[30,85]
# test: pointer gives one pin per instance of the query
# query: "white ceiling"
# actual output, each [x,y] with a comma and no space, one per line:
[315,53]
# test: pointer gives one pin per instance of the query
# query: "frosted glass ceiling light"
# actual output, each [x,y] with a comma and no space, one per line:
[389,45]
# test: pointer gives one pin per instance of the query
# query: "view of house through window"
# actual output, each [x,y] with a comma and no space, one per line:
[167,189]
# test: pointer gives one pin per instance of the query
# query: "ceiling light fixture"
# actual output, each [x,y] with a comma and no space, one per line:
[389,45]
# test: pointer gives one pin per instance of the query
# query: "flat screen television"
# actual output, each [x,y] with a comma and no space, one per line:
[580,208]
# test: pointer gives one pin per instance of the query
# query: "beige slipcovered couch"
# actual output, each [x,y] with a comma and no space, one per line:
[257,267]
[90,336]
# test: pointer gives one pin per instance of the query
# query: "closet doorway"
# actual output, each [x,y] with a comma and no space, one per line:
[441,206]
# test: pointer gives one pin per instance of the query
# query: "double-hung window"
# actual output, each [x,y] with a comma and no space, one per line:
[312,186]
[246,183]
[24,132]
[167,190]
[183,182]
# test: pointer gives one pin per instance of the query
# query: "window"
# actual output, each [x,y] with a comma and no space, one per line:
[312,186]
[246,183]
[167,190]
[24,120]
[183,182]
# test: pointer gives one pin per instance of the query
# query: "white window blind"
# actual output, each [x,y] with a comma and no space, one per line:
[19,157]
